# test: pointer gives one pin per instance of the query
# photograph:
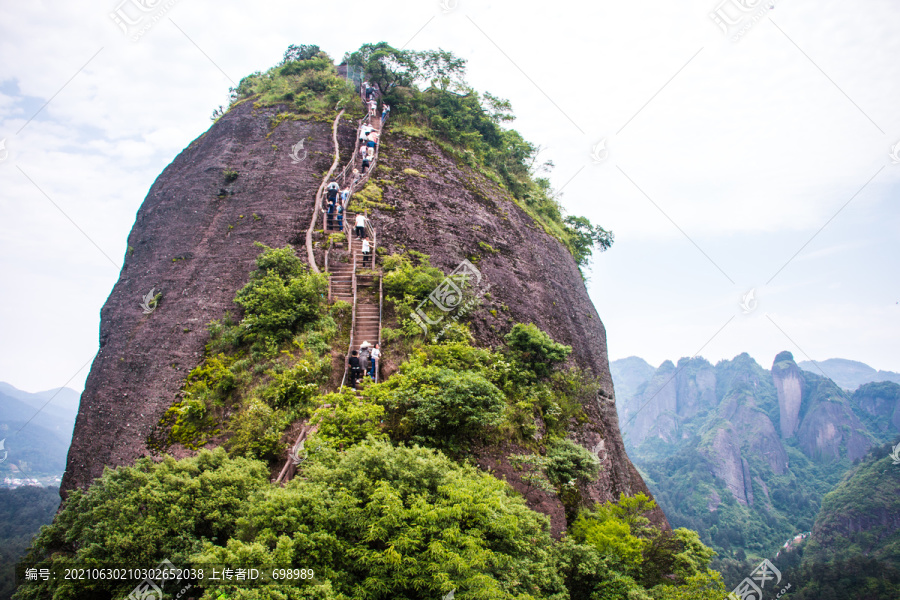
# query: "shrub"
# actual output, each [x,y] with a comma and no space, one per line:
[407,283]
[534,349]
[282,296]
[348,421]
[256,431]
[567,461]
[612,538]
[378,521]
[404,278]
[438,406]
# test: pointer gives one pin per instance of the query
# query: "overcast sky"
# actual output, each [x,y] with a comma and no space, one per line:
[757,159]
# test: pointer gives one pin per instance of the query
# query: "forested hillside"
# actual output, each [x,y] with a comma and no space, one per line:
[745,456]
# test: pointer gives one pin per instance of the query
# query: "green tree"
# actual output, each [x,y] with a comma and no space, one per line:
[137,516]
[441,68]
[282,296]
[301,52]
[584,237]
[386,66]
[439,407]
[383,522]
[343,420]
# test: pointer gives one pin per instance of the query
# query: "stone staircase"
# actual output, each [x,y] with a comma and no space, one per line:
[340,265]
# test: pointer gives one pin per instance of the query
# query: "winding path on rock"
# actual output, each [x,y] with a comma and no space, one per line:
[318,206]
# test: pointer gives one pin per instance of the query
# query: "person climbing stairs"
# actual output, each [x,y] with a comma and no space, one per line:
[365,296]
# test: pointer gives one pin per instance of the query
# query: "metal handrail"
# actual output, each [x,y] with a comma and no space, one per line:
[318,205]
[327,253]
[353,319]
[380,316]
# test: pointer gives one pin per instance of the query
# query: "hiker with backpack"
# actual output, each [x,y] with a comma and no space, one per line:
[364,356]
[332,191]
[355,369]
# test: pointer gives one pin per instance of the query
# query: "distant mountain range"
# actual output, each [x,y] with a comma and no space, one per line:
[744,455]
[630,373]
[36,430]
[848,374]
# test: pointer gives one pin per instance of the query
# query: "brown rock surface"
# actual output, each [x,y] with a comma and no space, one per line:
[185,247]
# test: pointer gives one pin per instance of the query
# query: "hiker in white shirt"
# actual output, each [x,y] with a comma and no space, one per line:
[360,226]
[374,357]
[366,252]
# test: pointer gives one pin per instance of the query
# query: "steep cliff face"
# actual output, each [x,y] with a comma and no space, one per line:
[651,412]
[756,431]
[818,413]
[696,387]
[788,384]
[437,205]
[673,396]
[881,403]
[193,240]
[724,456]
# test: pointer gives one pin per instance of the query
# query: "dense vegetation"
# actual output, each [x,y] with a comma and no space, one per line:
[305,83]
[23,511]
[385,503]
[859,516]
[854,551]
[264,372]
[372,521]
[429,97]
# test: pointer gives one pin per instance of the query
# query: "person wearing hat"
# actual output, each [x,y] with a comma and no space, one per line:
[364,356]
